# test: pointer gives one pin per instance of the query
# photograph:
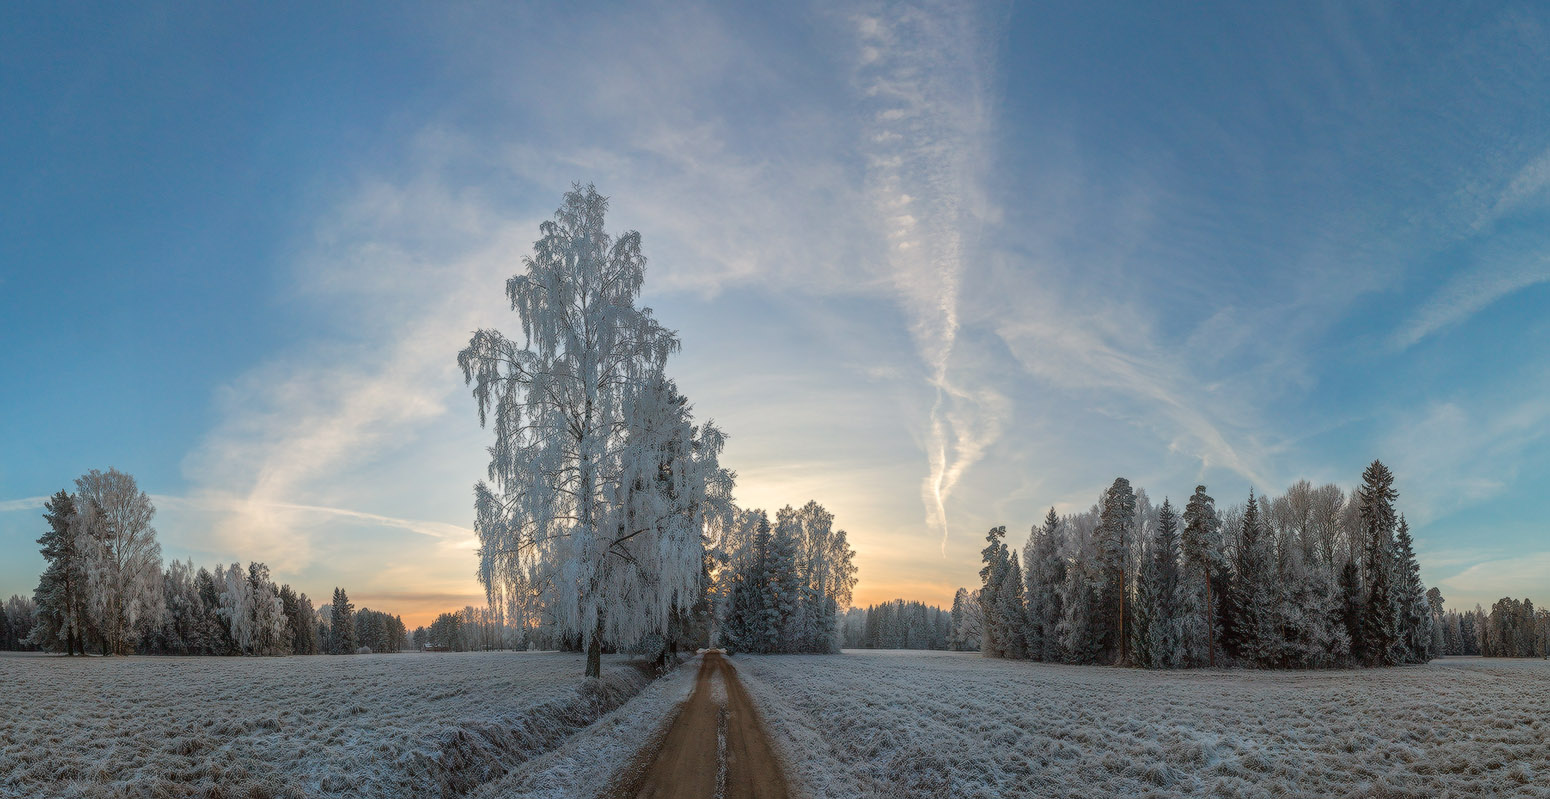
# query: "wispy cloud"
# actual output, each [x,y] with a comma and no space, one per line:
[922,71]
[1470,292]
[1520,575]
[28,503]
[405,272]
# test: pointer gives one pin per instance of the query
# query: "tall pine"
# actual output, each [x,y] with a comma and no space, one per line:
[61,591]
[1382,641]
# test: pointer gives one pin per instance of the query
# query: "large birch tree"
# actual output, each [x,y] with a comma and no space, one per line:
[597,492]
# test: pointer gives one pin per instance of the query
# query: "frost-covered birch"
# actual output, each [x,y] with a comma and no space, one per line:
[113,528]
[562,517]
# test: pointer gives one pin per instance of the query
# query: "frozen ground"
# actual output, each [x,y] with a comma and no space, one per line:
[895,724]
[360,726]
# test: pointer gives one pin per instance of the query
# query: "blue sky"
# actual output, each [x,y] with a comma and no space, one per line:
[937,266]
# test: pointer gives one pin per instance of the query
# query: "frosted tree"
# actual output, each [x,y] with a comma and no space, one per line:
[964,636]
[781,584]
[1159,597]
[112,526]
[552,515]
[1119,514]
[1206,569]
[671,487]
[1415,611]
[1046,575]
[60,593]
[993,632]
[1012,611]
[1252,598]
[253,611]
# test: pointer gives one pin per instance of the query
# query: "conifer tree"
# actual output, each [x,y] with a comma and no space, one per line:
[1206,569]
[1382,638]
[1012,612]
[1159,597]
[1415,609]
[342,640]
[60,595]
[993,637]
[1119,513]
[1251,598]
[1046,572]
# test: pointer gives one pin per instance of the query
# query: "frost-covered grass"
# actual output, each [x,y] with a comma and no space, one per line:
[957,725]
[596,759]
[359,726]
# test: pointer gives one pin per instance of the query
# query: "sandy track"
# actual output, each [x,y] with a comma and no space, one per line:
[715,748]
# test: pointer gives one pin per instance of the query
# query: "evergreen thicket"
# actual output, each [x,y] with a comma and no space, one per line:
[1310,579]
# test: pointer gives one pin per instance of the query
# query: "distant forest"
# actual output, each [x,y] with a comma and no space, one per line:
[104,590]
[1310,579]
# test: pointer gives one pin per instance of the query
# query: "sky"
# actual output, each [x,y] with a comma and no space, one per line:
[938,266]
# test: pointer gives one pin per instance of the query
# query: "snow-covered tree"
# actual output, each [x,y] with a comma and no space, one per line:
[60,595]
[1204,575]
[19,613]
[1119,515]
[1160,619]
[1252,598]
[1415,611]
[112,527]
[1046,575]
[965,621]
[569,404]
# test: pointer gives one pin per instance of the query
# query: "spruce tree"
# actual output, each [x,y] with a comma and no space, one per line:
[992,630]
[1352,605]
[1251,599]
[1382,639]
[61,591]
[1046,573]
[1161,636]
[1013,612]
[342,640]
[1416,610]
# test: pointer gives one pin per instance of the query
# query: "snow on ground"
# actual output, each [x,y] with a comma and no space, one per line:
[916,724]
[589,763]
[361,726]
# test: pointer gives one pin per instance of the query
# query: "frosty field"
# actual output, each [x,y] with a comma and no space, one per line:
[359,726]
[895,724]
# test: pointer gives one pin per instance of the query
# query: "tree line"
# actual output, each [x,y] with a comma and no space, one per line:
[900,624]
[1311,579]
[784,586]
[103,589]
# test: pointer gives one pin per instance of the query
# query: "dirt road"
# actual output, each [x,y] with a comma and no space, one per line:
[715,748]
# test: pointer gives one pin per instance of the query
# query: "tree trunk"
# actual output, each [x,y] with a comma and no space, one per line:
[1210,622]
[595,652]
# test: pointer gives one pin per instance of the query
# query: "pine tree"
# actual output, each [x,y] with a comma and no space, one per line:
[1206,570]
[342,640]
[1159,629]
[1119,513]
[1251,599]
[1416,610]
[993,633]
[1012,612]
[60,595]
[1046,572]
[1382,638]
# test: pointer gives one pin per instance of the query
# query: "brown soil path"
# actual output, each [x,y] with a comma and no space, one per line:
[711,751]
